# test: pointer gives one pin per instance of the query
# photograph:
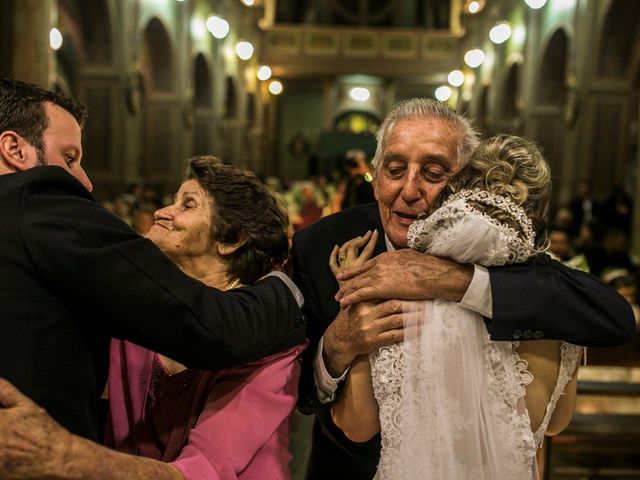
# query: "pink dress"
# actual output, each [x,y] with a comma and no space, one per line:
[226,424]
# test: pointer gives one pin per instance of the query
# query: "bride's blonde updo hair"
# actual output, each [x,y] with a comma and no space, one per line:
[512,167]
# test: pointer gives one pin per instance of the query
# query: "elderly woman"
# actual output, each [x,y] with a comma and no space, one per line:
[227,230]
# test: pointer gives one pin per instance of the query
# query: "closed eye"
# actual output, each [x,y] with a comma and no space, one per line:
[189,203]
[435,175]
[395,172]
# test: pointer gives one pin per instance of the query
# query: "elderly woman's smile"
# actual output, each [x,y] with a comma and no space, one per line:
[184,228]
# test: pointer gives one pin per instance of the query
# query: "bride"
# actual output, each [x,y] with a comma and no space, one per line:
[448,401]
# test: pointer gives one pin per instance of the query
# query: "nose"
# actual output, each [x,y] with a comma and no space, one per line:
[163,213]
[84,179]
[413,189]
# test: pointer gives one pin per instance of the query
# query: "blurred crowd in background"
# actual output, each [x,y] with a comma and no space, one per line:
[585,234]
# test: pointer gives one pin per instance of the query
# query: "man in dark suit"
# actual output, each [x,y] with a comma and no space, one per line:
[421,144]
[73,276]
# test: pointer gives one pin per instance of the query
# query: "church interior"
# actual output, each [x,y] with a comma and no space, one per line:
[286,88]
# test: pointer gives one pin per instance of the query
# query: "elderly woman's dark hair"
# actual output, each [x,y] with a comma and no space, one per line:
[513,167]
[243,208]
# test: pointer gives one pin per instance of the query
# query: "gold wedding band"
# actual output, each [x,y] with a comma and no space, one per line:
[342,258]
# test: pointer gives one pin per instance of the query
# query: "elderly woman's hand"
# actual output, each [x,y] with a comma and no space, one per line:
[349,256]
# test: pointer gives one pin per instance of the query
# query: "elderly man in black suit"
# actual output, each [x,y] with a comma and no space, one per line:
[421,143]
[73,276]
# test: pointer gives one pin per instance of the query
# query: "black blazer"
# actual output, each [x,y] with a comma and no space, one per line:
[540,299]
[73,275]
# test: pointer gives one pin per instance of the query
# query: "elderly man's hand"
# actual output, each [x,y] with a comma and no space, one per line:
[360,329]
[405,274]
[32,444]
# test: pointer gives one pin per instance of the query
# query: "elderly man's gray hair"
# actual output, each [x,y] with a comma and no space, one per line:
[428,108]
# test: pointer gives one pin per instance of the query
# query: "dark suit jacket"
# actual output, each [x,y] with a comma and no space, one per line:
[73,275]
[540,299]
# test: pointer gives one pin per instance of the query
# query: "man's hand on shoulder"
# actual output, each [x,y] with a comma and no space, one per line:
[405,274]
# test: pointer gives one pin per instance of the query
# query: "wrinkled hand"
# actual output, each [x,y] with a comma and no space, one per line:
[360,329]
[32,444]
[405,274]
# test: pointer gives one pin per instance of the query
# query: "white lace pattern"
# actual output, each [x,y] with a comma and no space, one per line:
[452,401]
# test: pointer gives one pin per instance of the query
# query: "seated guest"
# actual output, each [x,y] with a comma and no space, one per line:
[227,230]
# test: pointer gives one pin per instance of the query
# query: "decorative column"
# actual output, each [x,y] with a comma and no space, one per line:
[32,58]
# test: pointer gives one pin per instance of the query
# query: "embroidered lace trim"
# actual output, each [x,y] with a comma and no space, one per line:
[438,228]
[569,355]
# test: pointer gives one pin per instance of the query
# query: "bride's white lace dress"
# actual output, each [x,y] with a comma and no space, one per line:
[452,401]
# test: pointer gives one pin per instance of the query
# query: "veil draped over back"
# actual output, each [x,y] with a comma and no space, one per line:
[456,410]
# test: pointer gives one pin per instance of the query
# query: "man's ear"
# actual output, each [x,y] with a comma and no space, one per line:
[16,152]
[229,248]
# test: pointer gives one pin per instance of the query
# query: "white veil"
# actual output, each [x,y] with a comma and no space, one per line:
[461,411]
[452,425]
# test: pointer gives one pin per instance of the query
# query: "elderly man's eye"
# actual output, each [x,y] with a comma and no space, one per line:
[395,171]
[435,175]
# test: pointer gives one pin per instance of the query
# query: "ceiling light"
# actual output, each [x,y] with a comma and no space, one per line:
[218,26]
[474,58]
[474,7]
[55,39]
[275,87]
[360,94]
[244,50]
[264,73]
[500,33]
[535,4]
[443,93]
[455,78]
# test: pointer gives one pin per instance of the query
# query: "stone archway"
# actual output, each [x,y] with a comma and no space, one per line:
[483,123]
[86,69]
[612,114]
[204,115]
[230,99]
[616,121]
[511,113]
[550,93]
[160,120]
[551,81]
[91,26]
[230,122]
[620,39]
